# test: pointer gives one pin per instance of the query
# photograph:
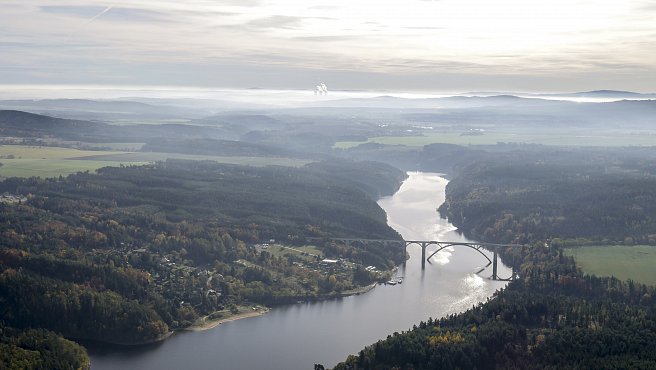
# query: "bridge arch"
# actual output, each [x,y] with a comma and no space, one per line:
[476,248]
[441,245]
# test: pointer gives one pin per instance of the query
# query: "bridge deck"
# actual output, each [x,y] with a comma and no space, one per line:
[440,244]
[427,242]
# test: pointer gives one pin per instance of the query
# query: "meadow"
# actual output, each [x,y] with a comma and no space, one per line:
[306,252]
[622,261]
[492,138]
[239,160]
[41,161]
[27,161]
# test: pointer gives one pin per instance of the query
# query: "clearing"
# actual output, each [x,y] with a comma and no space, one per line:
[634,262]
[46,161]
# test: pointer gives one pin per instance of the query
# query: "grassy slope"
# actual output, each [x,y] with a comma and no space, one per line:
[623,262]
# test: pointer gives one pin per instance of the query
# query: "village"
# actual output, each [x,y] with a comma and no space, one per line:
[8,198]
[219,290]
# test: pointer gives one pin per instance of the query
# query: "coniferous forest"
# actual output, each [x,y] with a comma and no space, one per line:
[554,316]
[130,253]
[170,166]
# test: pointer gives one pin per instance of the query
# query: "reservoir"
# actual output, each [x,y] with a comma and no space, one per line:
[300,335]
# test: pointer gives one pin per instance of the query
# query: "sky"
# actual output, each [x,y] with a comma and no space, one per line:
[412,45]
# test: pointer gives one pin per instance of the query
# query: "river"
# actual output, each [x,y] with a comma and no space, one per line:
[300,335]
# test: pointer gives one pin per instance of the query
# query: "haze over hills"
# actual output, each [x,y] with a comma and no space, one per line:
[344,148]
[319,125]
[173,165]
[605,94]
[615,94]
[102,109]
[195,108]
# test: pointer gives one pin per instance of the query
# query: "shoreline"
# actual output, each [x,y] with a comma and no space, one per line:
[85,341]
[204,323]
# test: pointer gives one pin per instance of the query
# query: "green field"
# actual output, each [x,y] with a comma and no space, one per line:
[27,161]
[306,252]
[574,139]
[154,156]
[622,261]
[121,147]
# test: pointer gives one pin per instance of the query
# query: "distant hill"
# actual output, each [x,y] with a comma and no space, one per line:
[432,103]
[609,93]
[244,121]
[209,139]
[217,147]
[90,105]
[204,107]
[614,94]
[23,124]
[29,125]
[100,109]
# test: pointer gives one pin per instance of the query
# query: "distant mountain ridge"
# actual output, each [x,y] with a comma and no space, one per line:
[456,101]
[100,109]
[19,123]
[171,138]
[603,94]
[592,93]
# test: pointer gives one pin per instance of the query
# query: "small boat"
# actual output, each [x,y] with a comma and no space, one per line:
[399,280]
[391,282]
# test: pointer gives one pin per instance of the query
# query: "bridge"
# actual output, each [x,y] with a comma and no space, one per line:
[440,246]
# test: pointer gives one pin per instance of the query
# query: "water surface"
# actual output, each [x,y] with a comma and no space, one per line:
[298,336]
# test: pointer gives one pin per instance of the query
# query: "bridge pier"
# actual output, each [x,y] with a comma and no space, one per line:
[441,245]
[423,255]
[494,265]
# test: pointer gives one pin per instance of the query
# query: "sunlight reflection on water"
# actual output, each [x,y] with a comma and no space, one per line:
[328,331]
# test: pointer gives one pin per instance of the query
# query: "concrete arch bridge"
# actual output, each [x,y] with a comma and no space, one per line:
[441,245]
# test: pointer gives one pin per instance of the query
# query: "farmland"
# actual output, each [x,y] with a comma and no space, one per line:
[492,138]
[27,161]
[622,261]
[40,161]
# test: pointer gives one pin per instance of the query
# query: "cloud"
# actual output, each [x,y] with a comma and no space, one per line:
[324,7]
[395,39]
[646,5]
[79,11]
[242,3]
[329,38]
[277,21]
[424,28]
[109,13]
[100,14]
[414,64]
[13,44]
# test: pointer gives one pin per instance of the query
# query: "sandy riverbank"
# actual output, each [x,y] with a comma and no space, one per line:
[205,323]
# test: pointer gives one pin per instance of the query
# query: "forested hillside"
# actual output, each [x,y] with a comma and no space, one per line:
[130,253]
[576,197]
[39,349]
[554,316]
[29,125]
[217,147]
